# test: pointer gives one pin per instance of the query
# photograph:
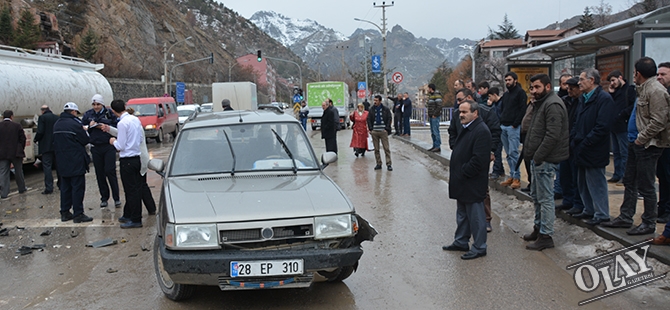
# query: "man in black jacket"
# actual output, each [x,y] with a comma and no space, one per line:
[329,127]
[512,110]
[571,199]
[104,155]
[12,142]
[44,138]
[397,113]
[72,162]
[379,125]
[468,181]
[623,95]
[490,118]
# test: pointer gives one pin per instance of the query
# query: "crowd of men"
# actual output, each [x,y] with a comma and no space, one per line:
[62,143]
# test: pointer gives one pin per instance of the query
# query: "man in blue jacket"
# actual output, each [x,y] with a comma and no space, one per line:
[590,144]
[104,155]
[72,162]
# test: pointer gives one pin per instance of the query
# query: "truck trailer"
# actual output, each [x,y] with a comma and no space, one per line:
[318,92]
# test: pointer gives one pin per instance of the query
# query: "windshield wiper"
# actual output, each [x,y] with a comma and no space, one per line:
[283,144]
[232,170]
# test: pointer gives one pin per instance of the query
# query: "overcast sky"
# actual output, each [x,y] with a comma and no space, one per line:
[427,18]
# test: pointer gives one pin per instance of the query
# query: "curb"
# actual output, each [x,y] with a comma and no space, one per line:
[660,253]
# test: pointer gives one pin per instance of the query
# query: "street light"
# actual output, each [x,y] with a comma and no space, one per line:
[384,52]
[165,53]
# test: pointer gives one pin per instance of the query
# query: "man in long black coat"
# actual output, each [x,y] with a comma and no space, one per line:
[12,142]
[468,181]
[328,127]
[44,137]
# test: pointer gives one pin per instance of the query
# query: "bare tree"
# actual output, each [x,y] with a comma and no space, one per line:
[602,14]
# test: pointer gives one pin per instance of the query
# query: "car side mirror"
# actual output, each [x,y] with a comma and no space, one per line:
[328,158]
[157,165]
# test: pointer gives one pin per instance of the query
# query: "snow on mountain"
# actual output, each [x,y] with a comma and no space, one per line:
[289,31]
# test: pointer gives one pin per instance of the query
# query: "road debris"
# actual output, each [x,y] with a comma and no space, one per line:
[102,243]
[4,232]
[123,240]
[46,233]
[133,255]
[74,234]
[145,249]
[111,270]
[24,250]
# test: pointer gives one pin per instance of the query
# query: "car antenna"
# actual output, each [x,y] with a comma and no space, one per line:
[237,100]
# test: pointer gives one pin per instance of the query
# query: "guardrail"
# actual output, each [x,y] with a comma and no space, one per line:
[420,115]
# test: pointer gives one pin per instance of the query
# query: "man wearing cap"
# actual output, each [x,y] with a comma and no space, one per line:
[571,198]
[72,162]
[104,155]
[225,104]
[12,140]
[45,138]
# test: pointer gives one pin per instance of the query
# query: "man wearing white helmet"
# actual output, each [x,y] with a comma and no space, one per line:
[104,155]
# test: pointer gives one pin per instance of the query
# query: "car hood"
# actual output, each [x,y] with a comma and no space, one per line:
[254,197]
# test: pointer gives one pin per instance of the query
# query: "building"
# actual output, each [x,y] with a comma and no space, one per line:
[266,76]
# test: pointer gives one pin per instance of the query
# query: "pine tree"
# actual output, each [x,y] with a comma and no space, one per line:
[505,31]
[88,45]
[6,29]
[28,31]
[586,22]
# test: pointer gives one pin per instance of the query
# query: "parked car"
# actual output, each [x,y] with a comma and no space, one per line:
[207,107]
[185,111]
[158,116]
[245,204]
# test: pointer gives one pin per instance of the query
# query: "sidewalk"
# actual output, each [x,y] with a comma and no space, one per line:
[421,140]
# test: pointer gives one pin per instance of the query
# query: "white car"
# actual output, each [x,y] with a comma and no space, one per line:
[185,111]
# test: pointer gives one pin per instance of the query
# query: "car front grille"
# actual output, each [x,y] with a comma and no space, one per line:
[254,234]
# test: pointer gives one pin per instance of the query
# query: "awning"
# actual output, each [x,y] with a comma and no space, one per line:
[615,34]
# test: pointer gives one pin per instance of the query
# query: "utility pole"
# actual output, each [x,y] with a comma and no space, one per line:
[365,66]
[383,6]
[342,47]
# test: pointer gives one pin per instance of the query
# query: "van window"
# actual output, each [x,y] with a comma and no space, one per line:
[174,107]
[161,110]
[143,109]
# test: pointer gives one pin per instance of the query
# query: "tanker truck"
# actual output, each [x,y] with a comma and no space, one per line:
[30,79]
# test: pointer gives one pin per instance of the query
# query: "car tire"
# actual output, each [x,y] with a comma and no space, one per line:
[313,128]
[176,131]
[159,138]
[173,291]
[337,275]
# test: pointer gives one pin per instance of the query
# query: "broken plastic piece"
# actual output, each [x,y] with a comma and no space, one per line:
[38,246]
[4,232]
[24,250]
[46,233]
[102,243]
[110,270]
[145,248]
[123,240]
[133,255]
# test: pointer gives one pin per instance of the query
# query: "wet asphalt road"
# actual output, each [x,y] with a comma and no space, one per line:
[404,268]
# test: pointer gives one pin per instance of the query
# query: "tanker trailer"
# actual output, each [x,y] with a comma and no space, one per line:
[30,79]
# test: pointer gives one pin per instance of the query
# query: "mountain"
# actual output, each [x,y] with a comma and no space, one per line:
[329,52]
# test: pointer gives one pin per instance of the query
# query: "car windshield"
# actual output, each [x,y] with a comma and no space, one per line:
[143,109]
[186,113]
[255,146]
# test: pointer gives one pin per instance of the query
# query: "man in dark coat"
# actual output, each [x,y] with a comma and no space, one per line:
[406,114]
[104,155]
[590,145]
[571,199]
[13,141]
[512,110]
[225,104]
[329,127]
[44,138]
[379,125]
[468,181]
[623,95]
[72,162]
[397,114]
[490,118]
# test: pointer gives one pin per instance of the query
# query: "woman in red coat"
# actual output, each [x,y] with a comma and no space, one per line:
[359,139]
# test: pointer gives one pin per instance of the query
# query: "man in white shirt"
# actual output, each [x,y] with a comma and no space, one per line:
[128,144]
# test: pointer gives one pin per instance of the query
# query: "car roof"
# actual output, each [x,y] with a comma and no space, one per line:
[187,107]
[238,117]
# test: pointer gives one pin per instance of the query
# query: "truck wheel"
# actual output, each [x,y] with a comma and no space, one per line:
[173,291]
[176,131]
[337,275]
[159,138]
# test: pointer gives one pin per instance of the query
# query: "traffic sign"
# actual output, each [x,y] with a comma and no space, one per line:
[296,98]
[361,85]
[361,93]
[181,87]
[376,64]
[397,77]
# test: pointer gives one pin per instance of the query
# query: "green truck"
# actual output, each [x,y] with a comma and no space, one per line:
[318,92]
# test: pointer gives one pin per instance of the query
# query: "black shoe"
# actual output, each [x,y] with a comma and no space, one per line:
[582,216]
[117,203]
[46,192]
[533,235]
[563,207]
[613,180]
[616,223]
[526,189]
[131,225]
[543,242]
[595,222]
[642,229]
[452,247]
[377,167]
[81,218]
[64,217]
[472,255]
[430,149]
[103,204]
[124,220]
[574,210]
[437,150]
[389,168]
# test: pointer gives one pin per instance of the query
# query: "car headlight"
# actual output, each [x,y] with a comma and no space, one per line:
[150,126]
[337,226]
[194,236]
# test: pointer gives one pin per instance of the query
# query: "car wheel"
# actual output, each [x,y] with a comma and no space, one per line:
[173,291]
[176,131]
[313,128]
[337,275]
[159,138]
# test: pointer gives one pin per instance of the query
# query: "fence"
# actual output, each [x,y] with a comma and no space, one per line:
[420,116]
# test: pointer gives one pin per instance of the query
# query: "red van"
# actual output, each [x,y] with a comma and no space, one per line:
[158,116]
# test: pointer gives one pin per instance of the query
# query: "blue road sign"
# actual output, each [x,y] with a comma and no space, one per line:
[376,64]
[361,85]
[296,98]
[181,87]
